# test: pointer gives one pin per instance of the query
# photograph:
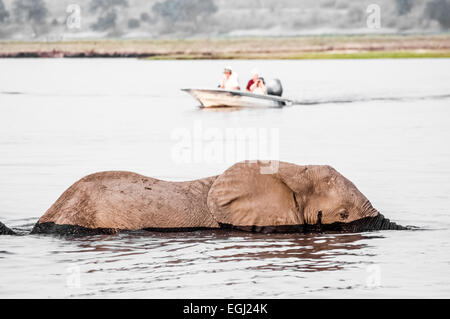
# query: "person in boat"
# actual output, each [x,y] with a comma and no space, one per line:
[230,80]
[255,77]
[259,86]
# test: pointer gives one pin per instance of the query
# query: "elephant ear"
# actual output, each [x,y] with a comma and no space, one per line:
[243,197]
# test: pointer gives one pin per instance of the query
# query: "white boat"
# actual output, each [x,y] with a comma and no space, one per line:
[234,98]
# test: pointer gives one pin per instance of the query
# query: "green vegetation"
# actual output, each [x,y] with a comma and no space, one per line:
[310,56]
[372,55]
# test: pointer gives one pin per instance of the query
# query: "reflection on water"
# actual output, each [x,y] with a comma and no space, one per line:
[144,261]
[220,109]
[152,264]
[313,250]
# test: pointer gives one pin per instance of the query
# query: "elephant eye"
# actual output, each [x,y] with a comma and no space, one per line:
[344,214]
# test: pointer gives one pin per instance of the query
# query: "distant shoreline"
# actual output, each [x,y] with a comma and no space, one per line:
[289,48]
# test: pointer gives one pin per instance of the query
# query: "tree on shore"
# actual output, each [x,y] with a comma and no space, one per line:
[134,23]
[192,12]
[107,19]
[34,12]
[404,6]
[439,10]
[4,14]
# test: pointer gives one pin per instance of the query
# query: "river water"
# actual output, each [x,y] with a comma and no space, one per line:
[384,124]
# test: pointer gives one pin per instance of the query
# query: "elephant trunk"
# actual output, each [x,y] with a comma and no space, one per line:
[374,221]
[5,230]
[378,222]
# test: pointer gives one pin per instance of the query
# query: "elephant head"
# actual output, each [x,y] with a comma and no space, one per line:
[292,199]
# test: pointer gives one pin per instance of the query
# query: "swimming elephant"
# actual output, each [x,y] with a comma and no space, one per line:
[247,196]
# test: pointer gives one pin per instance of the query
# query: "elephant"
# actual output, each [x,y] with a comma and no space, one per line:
[245,197]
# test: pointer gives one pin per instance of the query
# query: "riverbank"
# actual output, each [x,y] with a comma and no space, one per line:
[307,47]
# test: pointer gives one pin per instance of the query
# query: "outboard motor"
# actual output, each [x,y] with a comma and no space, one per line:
[274,87]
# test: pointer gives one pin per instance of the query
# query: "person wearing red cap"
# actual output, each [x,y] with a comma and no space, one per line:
[253,80]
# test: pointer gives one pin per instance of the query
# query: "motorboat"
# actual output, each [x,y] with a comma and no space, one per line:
[235,98]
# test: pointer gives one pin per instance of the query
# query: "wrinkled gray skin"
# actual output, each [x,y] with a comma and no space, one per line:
[249,196]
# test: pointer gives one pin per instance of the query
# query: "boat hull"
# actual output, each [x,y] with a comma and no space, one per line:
[231,98]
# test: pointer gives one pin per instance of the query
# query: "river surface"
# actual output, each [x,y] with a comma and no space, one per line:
[384,124]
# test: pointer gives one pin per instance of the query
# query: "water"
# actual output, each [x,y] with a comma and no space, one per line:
[384,124]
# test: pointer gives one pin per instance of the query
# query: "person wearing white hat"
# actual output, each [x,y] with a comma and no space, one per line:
[230,80]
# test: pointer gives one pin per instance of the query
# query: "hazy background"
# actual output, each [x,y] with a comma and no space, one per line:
[47,19]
